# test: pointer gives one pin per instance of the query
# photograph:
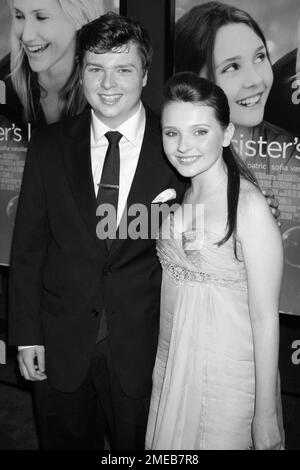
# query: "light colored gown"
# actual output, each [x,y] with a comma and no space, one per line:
[204,378]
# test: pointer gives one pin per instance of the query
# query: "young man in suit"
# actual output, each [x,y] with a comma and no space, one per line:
[84,311]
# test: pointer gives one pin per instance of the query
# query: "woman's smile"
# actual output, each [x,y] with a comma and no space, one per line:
[188,159]
[251,101]
[36,49]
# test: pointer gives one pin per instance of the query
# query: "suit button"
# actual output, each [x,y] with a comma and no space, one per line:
[94,313]
[106,272]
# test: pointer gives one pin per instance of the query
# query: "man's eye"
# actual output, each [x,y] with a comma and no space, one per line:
[124,70]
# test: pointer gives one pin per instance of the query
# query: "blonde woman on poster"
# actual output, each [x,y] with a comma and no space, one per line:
[40,83]
[42,75]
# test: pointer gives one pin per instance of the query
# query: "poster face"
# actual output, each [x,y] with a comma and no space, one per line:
[267,140]
[15,129]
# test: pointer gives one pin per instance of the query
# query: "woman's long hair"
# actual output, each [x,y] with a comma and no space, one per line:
[24,80]
[196,31]
[189,87]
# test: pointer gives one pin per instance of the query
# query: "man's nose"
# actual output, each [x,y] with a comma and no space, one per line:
[108,80]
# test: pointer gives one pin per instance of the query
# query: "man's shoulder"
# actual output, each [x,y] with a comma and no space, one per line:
[66,128]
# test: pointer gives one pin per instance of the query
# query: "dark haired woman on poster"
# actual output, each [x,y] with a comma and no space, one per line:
[215,381]
[226,45]
[41,74]
[283,105]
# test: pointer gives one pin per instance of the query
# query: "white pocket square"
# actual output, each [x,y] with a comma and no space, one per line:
[165,196]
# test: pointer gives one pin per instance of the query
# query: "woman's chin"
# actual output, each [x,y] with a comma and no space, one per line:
[252,120]
[37,65]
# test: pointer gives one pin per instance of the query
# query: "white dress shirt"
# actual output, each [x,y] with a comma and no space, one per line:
[130,146]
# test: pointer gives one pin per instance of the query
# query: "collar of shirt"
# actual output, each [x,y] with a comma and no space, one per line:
[130,129]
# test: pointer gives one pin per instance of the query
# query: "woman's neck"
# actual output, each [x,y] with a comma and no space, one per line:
[51,83]
[209,182]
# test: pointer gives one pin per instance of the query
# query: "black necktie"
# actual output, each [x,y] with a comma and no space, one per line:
[108,191]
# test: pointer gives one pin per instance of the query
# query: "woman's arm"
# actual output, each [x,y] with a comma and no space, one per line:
[263,255]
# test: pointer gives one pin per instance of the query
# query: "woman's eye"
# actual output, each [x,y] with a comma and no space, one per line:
[18,15]
[41,15]
[170,134]
[230,68]
[200,132]
[260,57]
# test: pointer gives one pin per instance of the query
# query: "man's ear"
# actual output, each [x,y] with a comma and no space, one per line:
[228,134]
[145,78]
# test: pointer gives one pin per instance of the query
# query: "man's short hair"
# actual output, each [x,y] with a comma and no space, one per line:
[111,32]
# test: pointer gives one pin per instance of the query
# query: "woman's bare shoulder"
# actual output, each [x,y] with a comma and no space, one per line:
[249,193]
[253,209]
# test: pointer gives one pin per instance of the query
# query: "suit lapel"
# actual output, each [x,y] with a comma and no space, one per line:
[77,158]
[148,171]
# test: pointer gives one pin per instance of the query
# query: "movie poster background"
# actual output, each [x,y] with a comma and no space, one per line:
[279,21]
[273,154]
[13,139]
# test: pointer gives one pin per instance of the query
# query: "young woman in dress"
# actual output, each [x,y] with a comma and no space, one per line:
[215,381]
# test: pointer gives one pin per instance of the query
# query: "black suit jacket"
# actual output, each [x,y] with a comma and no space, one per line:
[62,275]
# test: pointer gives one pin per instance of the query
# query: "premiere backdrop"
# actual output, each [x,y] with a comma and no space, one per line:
[273,151]
[275,160]
[13,137]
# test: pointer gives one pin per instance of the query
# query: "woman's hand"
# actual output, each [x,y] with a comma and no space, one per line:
[266,433]
[273,203]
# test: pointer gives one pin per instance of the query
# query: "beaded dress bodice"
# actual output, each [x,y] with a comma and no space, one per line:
[194,256]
